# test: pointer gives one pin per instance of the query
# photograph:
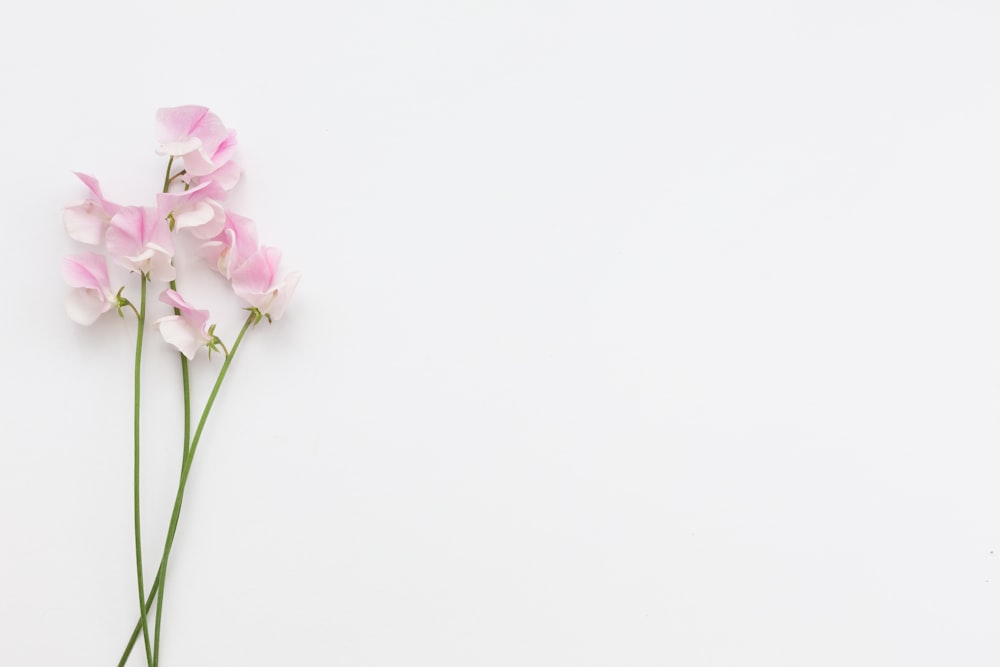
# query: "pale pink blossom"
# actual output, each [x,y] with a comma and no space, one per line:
[87,274]
[140,240]
[197,135]
[198,209]
[256,282]
[86,220]
[205,161]
[187,332]
[233,246]
[227,176]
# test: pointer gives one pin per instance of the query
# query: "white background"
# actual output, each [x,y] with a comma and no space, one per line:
[629,334]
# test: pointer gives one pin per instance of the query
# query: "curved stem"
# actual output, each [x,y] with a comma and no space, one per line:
[135,480]
[167,178]
[186,470]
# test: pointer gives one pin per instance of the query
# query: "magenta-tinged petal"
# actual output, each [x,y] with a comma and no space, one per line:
[109,208]
[87,270]
[176,129]
[257,274]
[255,281]
[205,160]
[140,240]
[92,184]
[237,242]
[197,317]
[125,233]
[85,221]
[173,299]
[196,134]
[227,176]
[87,274]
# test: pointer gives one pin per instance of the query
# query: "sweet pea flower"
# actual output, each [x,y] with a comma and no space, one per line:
[197,135]
[227,176]
[199,209]
[86,220]
[87,274]
[140,240]
[256,282]
[187,332]
[233,246]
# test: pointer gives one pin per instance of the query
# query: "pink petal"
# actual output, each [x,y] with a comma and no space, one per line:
[175,129]
[282,295]
[198,318]
[254,278]
[233,246]
[87,270]
[110,208]
[140,240]
[87,273]
[181,333]
[227,176]
[205,160]
[198,209]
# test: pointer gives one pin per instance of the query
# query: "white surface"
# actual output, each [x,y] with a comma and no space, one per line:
[630,334]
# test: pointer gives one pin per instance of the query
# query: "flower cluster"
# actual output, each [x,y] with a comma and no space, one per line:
[191,211]
[141,238]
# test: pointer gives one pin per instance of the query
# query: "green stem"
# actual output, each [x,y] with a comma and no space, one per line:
[161,576]
[186,470]
[138,624]
[167,178]
[135,482]
[186,383]
[185,376]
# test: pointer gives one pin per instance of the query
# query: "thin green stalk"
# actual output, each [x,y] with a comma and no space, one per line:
[167,178]
[185,376]
[186,383]
[138,624]
[186,471]
[135,485]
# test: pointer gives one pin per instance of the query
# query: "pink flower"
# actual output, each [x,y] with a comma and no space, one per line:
[140,240]
[197,135]
[85,221]
[256,282]
[198,209]
[227,176]
[91,296]
[187,332]
[233,246]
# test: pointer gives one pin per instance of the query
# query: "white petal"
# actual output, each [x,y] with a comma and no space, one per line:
[159,266]
[178,332]
[196,216]
[84,306]
[85,222]
[283,294]
[182,147]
